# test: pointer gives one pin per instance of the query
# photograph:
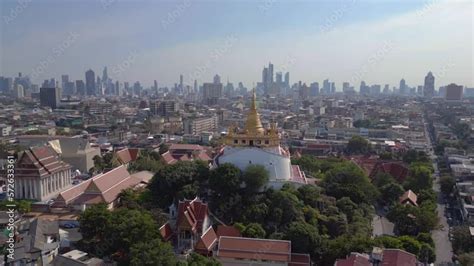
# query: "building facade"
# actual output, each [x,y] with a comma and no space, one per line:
[40,174]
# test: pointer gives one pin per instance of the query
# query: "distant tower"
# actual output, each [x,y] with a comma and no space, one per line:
[287,79]
[195,86]
[403,87]
[428,88]
[90,82]
[217,79]
[181,86]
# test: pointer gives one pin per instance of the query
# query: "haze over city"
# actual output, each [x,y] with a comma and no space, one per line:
[314,40]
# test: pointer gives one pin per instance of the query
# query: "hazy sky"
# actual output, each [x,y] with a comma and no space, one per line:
[377,41]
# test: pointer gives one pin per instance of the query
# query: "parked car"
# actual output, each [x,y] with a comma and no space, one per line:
[69,225]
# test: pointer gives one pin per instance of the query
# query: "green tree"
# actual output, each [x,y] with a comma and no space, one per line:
[255,177]
[410,244]
[304,238]
[198,260]
[153,252]
[426,254]
[466,259]
[254,230]
[225,180]
[462,240]
[358,145]
[447,183]
[419,179]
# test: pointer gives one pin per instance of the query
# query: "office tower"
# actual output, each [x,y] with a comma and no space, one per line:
[333,87]
[155,85]
[19,91]
[364,89]
[287,79]
[270,73]
[126,87]
[50,97]
[105,76]
[403,87]
[279,78]
[386,89]
[419,90]
[375,89]
[90,83]
[217,79]
[453,92]
[428,88]
[326,87]
[80,87]
[6,84]
[118,90]
[98,86]
[64,80]
[137,88]
[345,86]
[265,77]
[196,86]
[314,89]
[181,86]
[22,80]
[69,88]
[211,93]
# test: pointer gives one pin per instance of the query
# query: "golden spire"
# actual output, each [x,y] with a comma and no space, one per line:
[254,125]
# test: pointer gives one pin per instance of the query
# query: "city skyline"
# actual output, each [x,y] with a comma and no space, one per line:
[347,41]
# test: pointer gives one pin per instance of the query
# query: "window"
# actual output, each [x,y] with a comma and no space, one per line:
[267,142]
[244,141]
[236,141]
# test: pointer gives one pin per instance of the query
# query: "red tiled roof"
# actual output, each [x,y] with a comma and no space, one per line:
[298,259]
[254,249]
[397,170]
[101,188]
[206,242]
[354,259]
[192,213]
[42,161]
[226,230]
[168,158]
[166,231]
[189,147]
[409,197]
[397,257]
[127,155]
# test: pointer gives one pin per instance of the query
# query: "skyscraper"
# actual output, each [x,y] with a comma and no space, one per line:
[403,87]
[287,79]
[326,87]
[211,92]
[217,79]
[270,73]
[453,92]
[50,97]
[90,82]
[181,85]
[428,88]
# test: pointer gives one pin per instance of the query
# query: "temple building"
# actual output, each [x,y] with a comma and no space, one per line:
[258,145]
[40,174]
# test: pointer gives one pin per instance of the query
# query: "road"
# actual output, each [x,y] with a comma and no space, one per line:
[443,248]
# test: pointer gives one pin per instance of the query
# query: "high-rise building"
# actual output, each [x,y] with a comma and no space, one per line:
[217,79]
[90,83]
[196,86]
[364,89]
[326,87]
[196,126]
[314,89]
[287,79]
[69,88]
[270,73]
[403,87]
[19,91]
[80,87]
[279,78]
[211,92]
[428,88]
[454,92]
[64,80]
[155,85]
[181,85]
[50,97]
[386,89]
[333,87]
